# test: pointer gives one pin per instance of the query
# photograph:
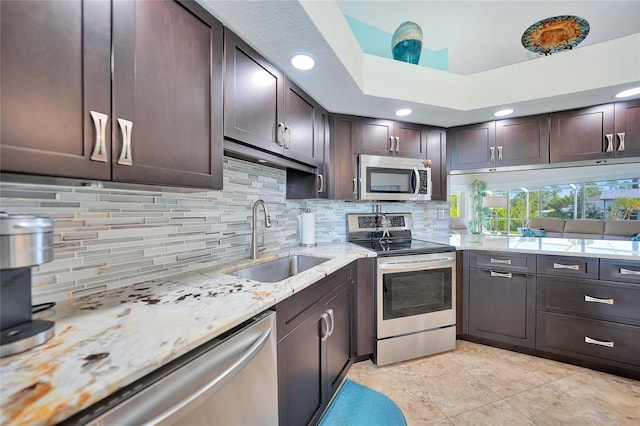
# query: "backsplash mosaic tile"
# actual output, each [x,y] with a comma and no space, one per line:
[108,238]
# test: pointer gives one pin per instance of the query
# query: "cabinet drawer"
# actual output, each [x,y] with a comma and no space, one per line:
[502,261]
[595,299]
[585,338]
[295,309]
[626,271]
[568,266]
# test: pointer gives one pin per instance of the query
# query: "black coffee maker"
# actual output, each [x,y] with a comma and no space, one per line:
[25,241]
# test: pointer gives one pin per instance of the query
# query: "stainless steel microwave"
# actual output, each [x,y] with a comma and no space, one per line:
[385,178]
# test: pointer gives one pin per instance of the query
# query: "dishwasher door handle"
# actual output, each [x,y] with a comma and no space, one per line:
[217,383]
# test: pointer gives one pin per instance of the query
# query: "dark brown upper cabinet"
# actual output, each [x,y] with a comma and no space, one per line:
[581,134]
[388,137]
[159,122]
[627,129]
[263,108]
[167,81]
[343,169]
[55,71]
[436,151]
[503,143]
[596,133]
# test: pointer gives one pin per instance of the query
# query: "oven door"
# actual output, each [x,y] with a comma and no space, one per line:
[415,293]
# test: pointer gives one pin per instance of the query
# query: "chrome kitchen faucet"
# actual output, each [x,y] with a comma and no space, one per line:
[254,230]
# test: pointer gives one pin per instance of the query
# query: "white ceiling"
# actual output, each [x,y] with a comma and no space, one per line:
[488,66]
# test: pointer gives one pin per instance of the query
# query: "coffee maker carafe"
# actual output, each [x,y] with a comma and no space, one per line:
[25,241]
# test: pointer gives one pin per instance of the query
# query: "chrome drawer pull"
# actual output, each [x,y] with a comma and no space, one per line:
[492,153]
[499,153]
[628,272]
[125,158]
[280,138]
[506,262]
[596,300]
[621,137]
[561,266]
[397,143]
[390,144]
[609,142]
[99,147]
[501,275]
[597,342]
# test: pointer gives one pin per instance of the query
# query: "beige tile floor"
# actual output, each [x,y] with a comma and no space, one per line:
[482,385]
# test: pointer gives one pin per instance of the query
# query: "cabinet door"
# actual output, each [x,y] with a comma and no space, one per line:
[375,137]
[502,307]
[343,167]
[472,147]
[436,152]
[254,99]
[322,151]
[299,121]
[522,141]
[409,140]
[301,392]
[339,344]
[627,129]
[55,70]
[580,134]
[167,81]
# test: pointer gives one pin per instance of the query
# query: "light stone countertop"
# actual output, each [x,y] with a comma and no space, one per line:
[106,341]
[609,249]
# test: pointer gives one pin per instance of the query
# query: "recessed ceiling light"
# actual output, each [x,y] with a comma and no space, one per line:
[303,62]
[402,112]
[630,92]
[503,112]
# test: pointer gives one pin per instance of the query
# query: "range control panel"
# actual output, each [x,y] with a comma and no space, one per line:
[372,221]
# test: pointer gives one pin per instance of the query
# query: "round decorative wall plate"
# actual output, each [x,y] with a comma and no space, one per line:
[555,34]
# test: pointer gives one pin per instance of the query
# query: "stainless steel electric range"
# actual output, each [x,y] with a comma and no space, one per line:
[415,287]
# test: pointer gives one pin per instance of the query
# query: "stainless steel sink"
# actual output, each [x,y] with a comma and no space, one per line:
[279,269]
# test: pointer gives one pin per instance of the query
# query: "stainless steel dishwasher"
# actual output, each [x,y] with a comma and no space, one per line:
[231,380]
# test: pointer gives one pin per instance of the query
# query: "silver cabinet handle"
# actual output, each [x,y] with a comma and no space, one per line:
[355,185]
[287,129]
[492,151]
[320,183]
[333,321]
[609,142]
[280,136]
[621,137]
[99,147]
[125,158]
[598,342]
[499,153]
[397,143]
[561,266]
[505,261]
[501,274]
[390,143]
[628,272]
[596,300]
[325,332]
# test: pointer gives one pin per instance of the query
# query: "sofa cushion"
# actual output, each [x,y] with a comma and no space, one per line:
[553,226]
[621,229]
[584,228]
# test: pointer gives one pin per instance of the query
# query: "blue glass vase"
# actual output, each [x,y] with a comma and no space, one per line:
[406,43]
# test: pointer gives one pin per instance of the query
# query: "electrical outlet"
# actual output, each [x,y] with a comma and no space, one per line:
[425,214]
[441,214]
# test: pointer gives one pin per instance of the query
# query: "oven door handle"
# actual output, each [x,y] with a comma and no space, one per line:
[417,265]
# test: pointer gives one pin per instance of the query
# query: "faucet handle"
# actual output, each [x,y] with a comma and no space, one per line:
[267,221]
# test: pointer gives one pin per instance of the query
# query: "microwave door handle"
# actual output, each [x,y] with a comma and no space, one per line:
[416,175]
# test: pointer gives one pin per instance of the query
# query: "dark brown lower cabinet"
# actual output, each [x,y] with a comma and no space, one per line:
[614,344]
[502,306]
[315,346]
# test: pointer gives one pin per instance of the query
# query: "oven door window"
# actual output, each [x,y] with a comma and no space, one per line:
[417,292]
[390,181]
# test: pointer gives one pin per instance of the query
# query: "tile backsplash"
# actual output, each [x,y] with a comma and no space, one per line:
[107,238]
